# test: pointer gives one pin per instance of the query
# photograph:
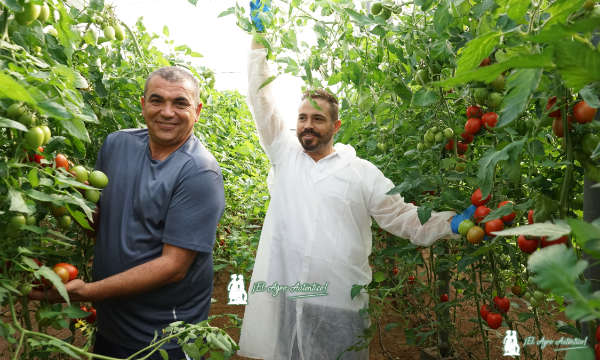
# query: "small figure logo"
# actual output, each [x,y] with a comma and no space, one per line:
[237,290]
[511,344]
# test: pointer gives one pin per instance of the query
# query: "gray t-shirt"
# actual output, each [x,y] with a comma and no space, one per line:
[147,203]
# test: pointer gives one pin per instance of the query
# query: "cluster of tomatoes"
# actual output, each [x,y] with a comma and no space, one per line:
[475,233]
[582,113]
[476,121]
[531,244]
[493,314]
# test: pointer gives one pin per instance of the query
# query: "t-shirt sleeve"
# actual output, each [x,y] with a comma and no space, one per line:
[195,209]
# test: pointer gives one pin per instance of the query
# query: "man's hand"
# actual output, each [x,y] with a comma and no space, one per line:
[256,44]
[75,288]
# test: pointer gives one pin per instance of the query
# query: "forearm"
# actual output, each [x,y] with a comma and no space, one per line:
[269,122]
[406,224]
[142,278]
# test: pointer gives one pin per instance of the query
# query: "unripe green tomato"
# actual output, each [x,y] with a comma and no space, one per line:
[29,14]
[25,288]
[465,226]
[422,76]
[439,137]
[531,282]
[376,8]
[448,133]
[589,143]
[498,83]
[26,118]
[47,133]
[34,138]
[420,147]
[381,147]
[119,33]
[81,173]
[92,195]
[52,31]
[386,13]
[15,111]
[44,13]
[494,100]
[98,179]
[460,167]
[65,221]
[31,220]
[16,221]
[91,35]
[588,5]
[434,129]
[429,137]
[109,32]
[480,95]
[539,296]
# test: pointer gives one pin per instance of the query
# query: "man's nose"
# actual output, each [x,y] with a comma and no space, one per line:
[167,110]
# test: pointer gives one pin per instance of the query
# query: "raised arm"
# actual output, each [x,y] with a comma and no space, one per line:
[269,123]
[401,219]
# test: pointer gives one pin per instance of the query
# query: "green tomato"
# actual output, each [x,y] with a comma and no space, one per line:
[65,221]
[52,31]
[434,129]
[16,221]
[15,111]
[26,118]
[420,147]
[539,296]
[47,133]
[29,14]
[439,137]
[98,179]
[422,76]
[386,13]
[34,138]
[91,36]
[92,195]
[460,167]
[480,95]
[429,138]
[381,147]
[44,13]
[119,33]
[376,8]
[498,83]
[109,32]
[465,226]
[494,100]
[81,173]
[31,220]
[448,133]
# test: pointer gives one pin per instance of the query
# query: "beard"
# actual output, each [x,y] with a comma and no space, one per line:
[317,142]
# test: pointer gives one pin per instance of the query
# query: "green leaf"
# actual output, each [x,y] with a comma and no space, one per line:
[17,203]
[76,128]
[476,50]
[488,162]
[267,82]
[10,88]
[554,33]
[499,212]
[560,10]
[8,123]
[54,109]
[229,11]
[50,275]
[577,63]
[584,353]
[360,19]
[516,10]
[442,18]
[97,5]
[552,231]
[590,95]
[81,220]
[584,232]
[425,97]
[520,86]
[556,267]
[165,30]
[379,276]
[424,213]
[14,5]
[194,2]
[34,180]
[356,289]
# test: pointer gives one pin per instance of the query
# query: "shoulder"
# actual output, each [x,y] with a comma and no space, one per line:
[198,158]
[127,136]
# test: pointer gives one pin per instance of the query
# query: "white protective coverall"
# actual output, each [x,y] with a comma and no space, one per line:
[317,230]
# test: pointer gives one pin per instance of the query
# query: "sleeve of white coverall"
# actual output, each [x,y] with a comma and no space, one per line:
[269,123]
[399,218]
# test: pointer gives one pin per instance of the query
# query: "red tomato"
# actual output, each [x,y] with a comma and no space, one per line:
[481,212]
[530,217]
[489,119]
[598,334]
[556,113]
[484,311]
[502,303]
[92,313]
[473,112]
[472,126]
[461,147]
[37,157]
[510,217]
[476,198]
[70,269]
[527,245]
[560,240]
[444,298]
[395,270]
[61,161]
[583,112]
[493,225]
[494,320]
[62,273]
[485,62]
[411,280]
[449,145]
[467,138]
[597,351]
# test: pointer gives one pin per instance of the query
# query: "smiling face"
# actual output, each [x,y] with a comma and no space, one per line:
[170,111]
[315,128]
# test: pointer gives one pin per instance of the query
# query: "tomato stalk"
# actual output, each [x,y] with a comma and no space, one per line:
[5,23]
[568,145]
[479,322]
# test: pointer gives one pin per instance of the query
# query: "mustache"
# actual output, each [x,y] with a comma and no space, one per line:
[310,131]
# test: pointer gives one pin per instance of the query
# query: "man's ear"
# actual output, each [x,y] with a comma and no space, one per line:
[142,101]
[198,109]
[336,126]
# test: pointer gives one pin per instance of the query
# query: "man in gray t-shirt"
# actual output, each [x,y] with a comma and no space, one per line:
[158,219]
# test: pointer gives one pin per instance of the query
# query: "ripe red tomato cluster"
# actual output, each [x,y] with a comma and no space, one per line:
[482,211]
[531,244]
[65,271]
[582,113]
[493,315]
[476,119]
[92,313]
[444,298]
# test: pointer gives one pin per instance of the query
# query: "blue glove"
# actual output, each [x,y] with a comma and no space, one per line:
[457,219]
[255,8]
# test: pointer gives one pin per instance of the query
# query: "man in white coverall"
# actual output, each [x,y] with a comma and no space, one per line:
[317,232]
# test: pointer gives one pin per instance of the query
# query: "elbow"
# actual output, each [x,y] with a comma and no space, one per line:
[177,276]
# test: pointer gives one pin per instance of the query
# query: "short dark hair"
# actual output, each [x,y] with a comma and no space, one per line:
[327,96]
[175,74]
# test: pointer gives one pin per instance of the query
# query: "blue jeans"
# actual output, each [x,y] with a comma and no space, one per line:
[102,346]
